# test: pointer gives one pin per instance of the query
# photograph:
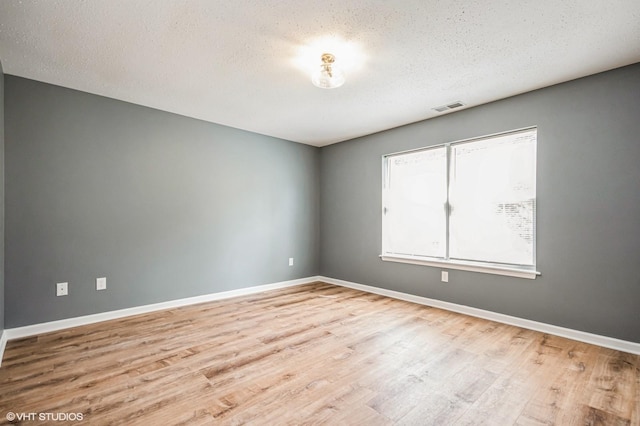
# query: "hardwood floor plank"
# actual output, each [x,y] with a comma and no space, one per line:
[549,403]
[507,397]
[614,377]
[317,354]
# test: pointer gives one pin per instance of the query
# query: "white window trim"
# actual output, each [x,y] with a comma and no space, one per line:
[487,268]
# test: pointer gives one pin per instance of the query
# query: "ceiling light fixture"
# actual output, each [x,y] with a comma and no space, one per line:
[329,76]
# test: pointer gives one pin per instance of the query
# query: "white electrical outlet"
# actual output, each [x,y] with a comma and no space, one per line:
[291,261]
[101,283]
[445,276]
[62,289]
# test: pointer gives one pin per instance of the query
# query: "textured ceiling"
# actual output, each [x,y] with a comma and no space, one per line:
[246,64]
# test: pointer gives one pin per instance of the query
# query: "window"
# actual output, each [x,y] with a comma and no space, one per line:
[465,205]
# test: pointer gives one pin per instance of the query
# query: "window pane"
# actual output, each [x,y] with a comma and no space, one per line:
[492,197]
[414,222]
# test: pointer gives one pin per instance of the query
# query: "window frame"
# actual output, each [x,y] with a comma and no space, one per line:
[519,271]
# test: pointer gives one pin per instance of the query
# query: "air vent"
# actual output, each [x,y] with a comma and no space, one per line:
[448,107]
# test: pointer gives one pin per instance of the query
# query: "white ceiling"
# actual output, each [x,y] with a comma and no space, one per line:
[246,63]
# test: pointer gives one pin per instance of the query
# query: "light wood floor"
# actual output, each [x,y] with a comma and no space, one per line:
[317,354]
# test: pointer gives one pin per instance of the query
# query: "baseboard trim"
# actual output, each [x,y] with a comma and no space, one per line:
[582,336]
[3,344]
[31,330]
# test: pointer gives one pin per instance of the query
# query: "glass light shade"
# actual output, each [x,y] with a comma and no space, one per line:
[328,76]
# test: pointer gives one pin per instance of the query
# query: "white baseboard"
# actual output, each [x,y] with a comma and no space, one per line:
[31,330]
[595,339]
[3,344]
[582,336]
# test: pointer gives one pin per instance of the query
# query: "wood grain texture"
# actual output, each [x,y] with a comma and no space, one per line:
[317,354]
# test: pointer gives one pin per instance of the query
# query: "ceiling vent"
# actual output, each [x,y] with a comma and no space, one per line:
[448,107]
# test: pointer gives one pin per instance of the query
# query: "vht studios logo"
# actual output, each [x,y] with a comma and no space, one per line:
[52,417]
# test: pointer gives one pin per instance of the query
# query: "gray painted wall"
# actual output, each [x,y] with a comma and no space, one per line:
[588,207]
[164,206]
[167,207]
[1,200]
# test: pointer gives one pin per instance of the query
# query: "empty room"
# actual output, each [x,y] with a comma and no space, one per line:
[350,213]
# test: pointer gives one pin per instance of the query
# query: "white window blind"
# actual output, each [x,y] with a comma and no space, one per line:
[470,201]
[415,213]
[492,199]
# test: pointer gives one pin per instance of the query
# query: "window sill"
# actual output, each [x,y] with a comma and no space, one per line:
[485,268]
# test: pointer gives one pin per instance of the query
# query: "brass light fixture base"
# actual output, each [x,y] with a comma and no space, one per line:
[328,58]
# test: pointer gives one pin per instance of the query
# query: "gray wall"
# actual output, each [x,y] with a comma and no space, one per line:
[1,200]
[588,207]
[167,207]
[162,205]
